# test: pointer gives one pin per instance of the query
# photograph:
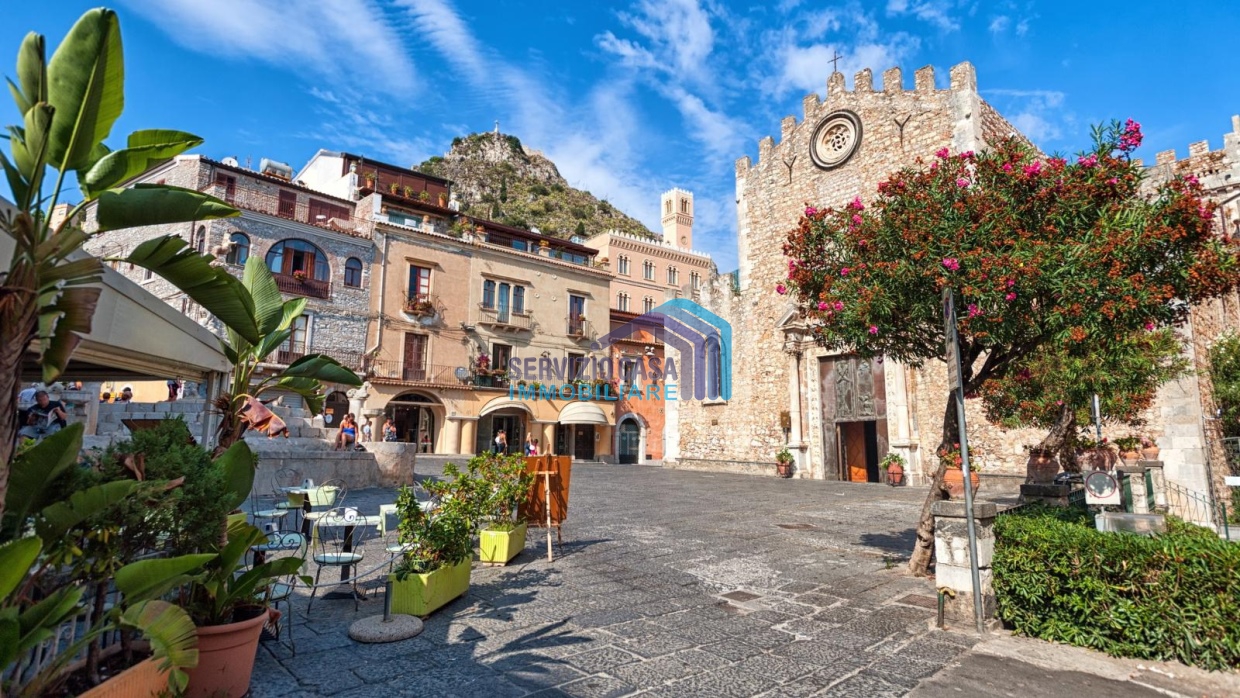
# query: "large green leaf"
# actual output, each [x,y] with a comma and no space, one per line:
[37,621]
[169,629]
[156,204]
[146,150]
[31,474]
[16,557]
[17,184]
[57,519]
[310,390]
[237,464]
[10,636]
[211,287]
[151,579]
[31,72]
[268,303]
[271,342]
[323,368]
[61,326]
[86,84]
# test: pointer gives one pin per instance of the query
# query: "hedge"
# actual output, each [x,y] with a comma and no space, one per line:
[1171,597]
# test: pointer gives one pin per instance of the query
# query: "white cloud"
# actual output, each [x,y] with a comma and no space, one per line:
[327,39]
[1039,114]
[935,12]
[677,31]
[999,24]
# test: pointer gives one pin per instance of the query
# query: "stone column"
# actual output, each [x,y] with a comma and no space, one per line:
[357,399]
[951,554]
[451,436]
[92,407]
[1136,482]
[469,428]
[794,406]
[375,417]
[1159,481]
[548,438]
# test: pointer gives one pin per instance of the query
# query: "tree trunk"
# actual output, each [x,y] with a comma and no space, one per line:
[1059,440]
[18,316]
[923,549]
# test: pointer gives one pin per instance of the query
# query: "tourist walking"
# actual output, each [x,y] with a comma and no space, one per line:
[501,442]
[366,432]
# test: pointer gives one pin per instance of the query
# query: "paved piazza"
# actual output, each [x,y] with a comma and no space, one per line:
[669,583]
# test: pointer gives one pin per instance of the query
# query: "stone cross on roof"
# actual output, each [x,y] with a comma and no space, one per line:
[835,60]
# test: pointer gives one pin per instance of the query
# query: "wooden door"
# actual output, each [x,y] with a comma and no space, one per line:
[853,406]
[415,357]
[852,451]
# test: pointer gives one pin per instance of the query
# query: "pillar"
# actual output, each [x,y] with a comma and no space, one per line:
[469,430]
[1159,481]
[548,438]
[451,436]
[91,406]
[794,399]
[1136,482]
[951,554]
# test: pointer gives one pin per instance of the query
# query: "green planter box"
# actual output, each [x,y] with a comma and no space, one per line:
[422,594]
[498,547]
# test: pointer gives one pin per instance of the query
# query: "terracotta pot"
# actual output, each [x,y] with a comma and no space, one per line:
[1097,459]
[1130,457]
[953,479]
[784,469]
[226,657]
[895,475]
[1150,453]
[138,681]
[1041,467]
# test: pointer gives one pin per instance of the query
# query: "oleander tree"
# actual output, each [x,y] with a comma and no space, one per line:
[1039,252]
[1053,388]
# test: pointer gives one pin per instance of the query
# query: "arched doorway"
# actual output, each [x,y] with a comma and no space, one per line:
[505,414]
[629,442]
[414,420]
[335,407]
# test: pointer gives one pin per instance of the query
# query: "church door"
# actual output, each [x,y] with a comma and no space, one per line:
[854,417]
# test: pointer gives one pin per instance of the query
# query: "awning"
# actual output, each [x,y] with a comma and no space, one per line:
[583,413]
[502,403]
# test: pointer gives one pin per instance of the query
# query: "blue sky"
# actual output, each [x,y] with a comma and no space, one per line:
[632,98]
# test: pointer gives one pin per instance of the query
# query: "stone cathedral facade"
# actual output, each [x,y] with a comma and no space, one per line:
[839,414]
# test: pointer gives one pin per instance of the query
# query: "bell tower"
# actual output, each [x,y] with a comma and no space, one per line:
[677,211]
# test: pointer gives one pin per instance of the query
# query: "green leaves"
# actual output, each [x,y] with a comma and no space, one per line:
[60,323]
[31,73]
[150,579]
[238,465]
[269,305]
[32,473]
[16,557]
[155,204]
[211,287]
[147,149]
[86,85]
[323,368]
[172,635]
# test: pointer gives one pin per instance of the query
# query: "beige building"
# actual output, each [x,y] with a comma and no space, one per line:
[456,301]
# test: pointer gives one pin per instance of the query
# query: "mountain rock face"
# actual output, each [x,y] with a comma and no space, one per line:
[497,178]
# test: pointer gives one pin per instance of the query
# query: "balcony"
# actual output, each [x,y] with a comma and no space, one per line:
[293,205]
[505,319]
[425,307]
[389,371]
[290,352]
[310,288]
[578,327]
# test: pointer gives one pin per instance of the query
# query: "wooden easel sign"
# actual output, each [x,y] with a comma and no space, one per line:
[546,505]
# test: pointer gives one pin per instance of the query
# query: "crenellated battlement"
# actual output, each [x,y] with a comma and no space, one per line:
[962,78]
[1200,149]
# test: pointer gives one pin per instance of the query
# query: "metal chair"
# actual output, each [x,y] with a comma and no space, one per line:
[337,542]
[273,504]
[281,589]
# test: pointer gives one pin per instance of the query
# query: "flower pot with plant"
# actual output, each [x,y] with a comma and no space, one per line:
[370,180]
[424,196]
[783,463]
[408,191]
[506,483]
[892,466]
[1149,448]
[953,477]
[299,275]
[434,568]
[443,200]
[1041,467]
[1129,449]
[394,188]
[1096,455]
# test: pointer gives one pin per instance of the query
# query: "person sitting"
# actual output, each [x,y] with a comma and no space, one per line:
[106,397]
[389,430]
[126,394]
[348,433]
[44,418]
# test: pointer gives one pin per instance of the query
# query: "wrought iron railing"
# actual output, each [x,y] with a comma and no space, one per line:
[505,317]
[312,288]
[295,205]
[383,370]
[578,327]
[290,352]
[1195,507]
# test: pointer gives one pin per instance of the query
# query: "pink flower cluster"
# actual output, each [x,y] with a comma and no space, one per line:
[839,306]
[942,153]
[856,204]
[1087,160]
[809,211]
[1131,137]
[1010,297]
[781,289]
[951,264]
[962,183]
[973,310]
[1033,169]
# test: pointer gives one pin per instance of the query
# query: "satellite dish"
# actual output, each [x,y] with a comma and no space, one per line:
[230,161]
[461,373]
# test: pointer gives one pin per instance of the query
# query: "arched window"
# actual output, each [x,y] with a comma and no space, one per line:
[684,205]
[673,276]
[622,302]
[623,263]
[518,300]
[238,248]
[488,294]
[291,256]
[695,280]
[668,206]
[648,270]
[353,272]
[647,304]
[200,239]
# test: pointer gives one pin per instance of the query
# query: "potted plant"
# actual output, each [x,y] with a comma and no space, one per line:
[1096,455]
[394,188]
[228,606]
[1129,449]
[892,466]
[408,190]
[424,195]
[1149,448]
[370,180]
[435,566]
[299,274]
[443,200]
[1041,467]
[783,463]
[953,478]
[507,484]
[420,306]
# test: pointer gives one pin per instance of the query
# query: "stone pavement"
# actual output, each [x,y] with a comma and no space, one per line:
[669,583]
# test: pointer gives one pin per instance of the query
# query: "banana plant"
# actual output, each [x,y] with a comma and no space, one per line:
[272,316]
[66,109]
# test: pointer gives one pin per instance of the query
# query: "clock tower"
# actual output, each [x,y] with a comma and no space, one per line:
[677,209]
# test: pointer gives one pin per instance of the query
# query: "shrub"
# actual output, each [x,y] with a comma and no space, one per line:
[438,539]
[1171,597]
